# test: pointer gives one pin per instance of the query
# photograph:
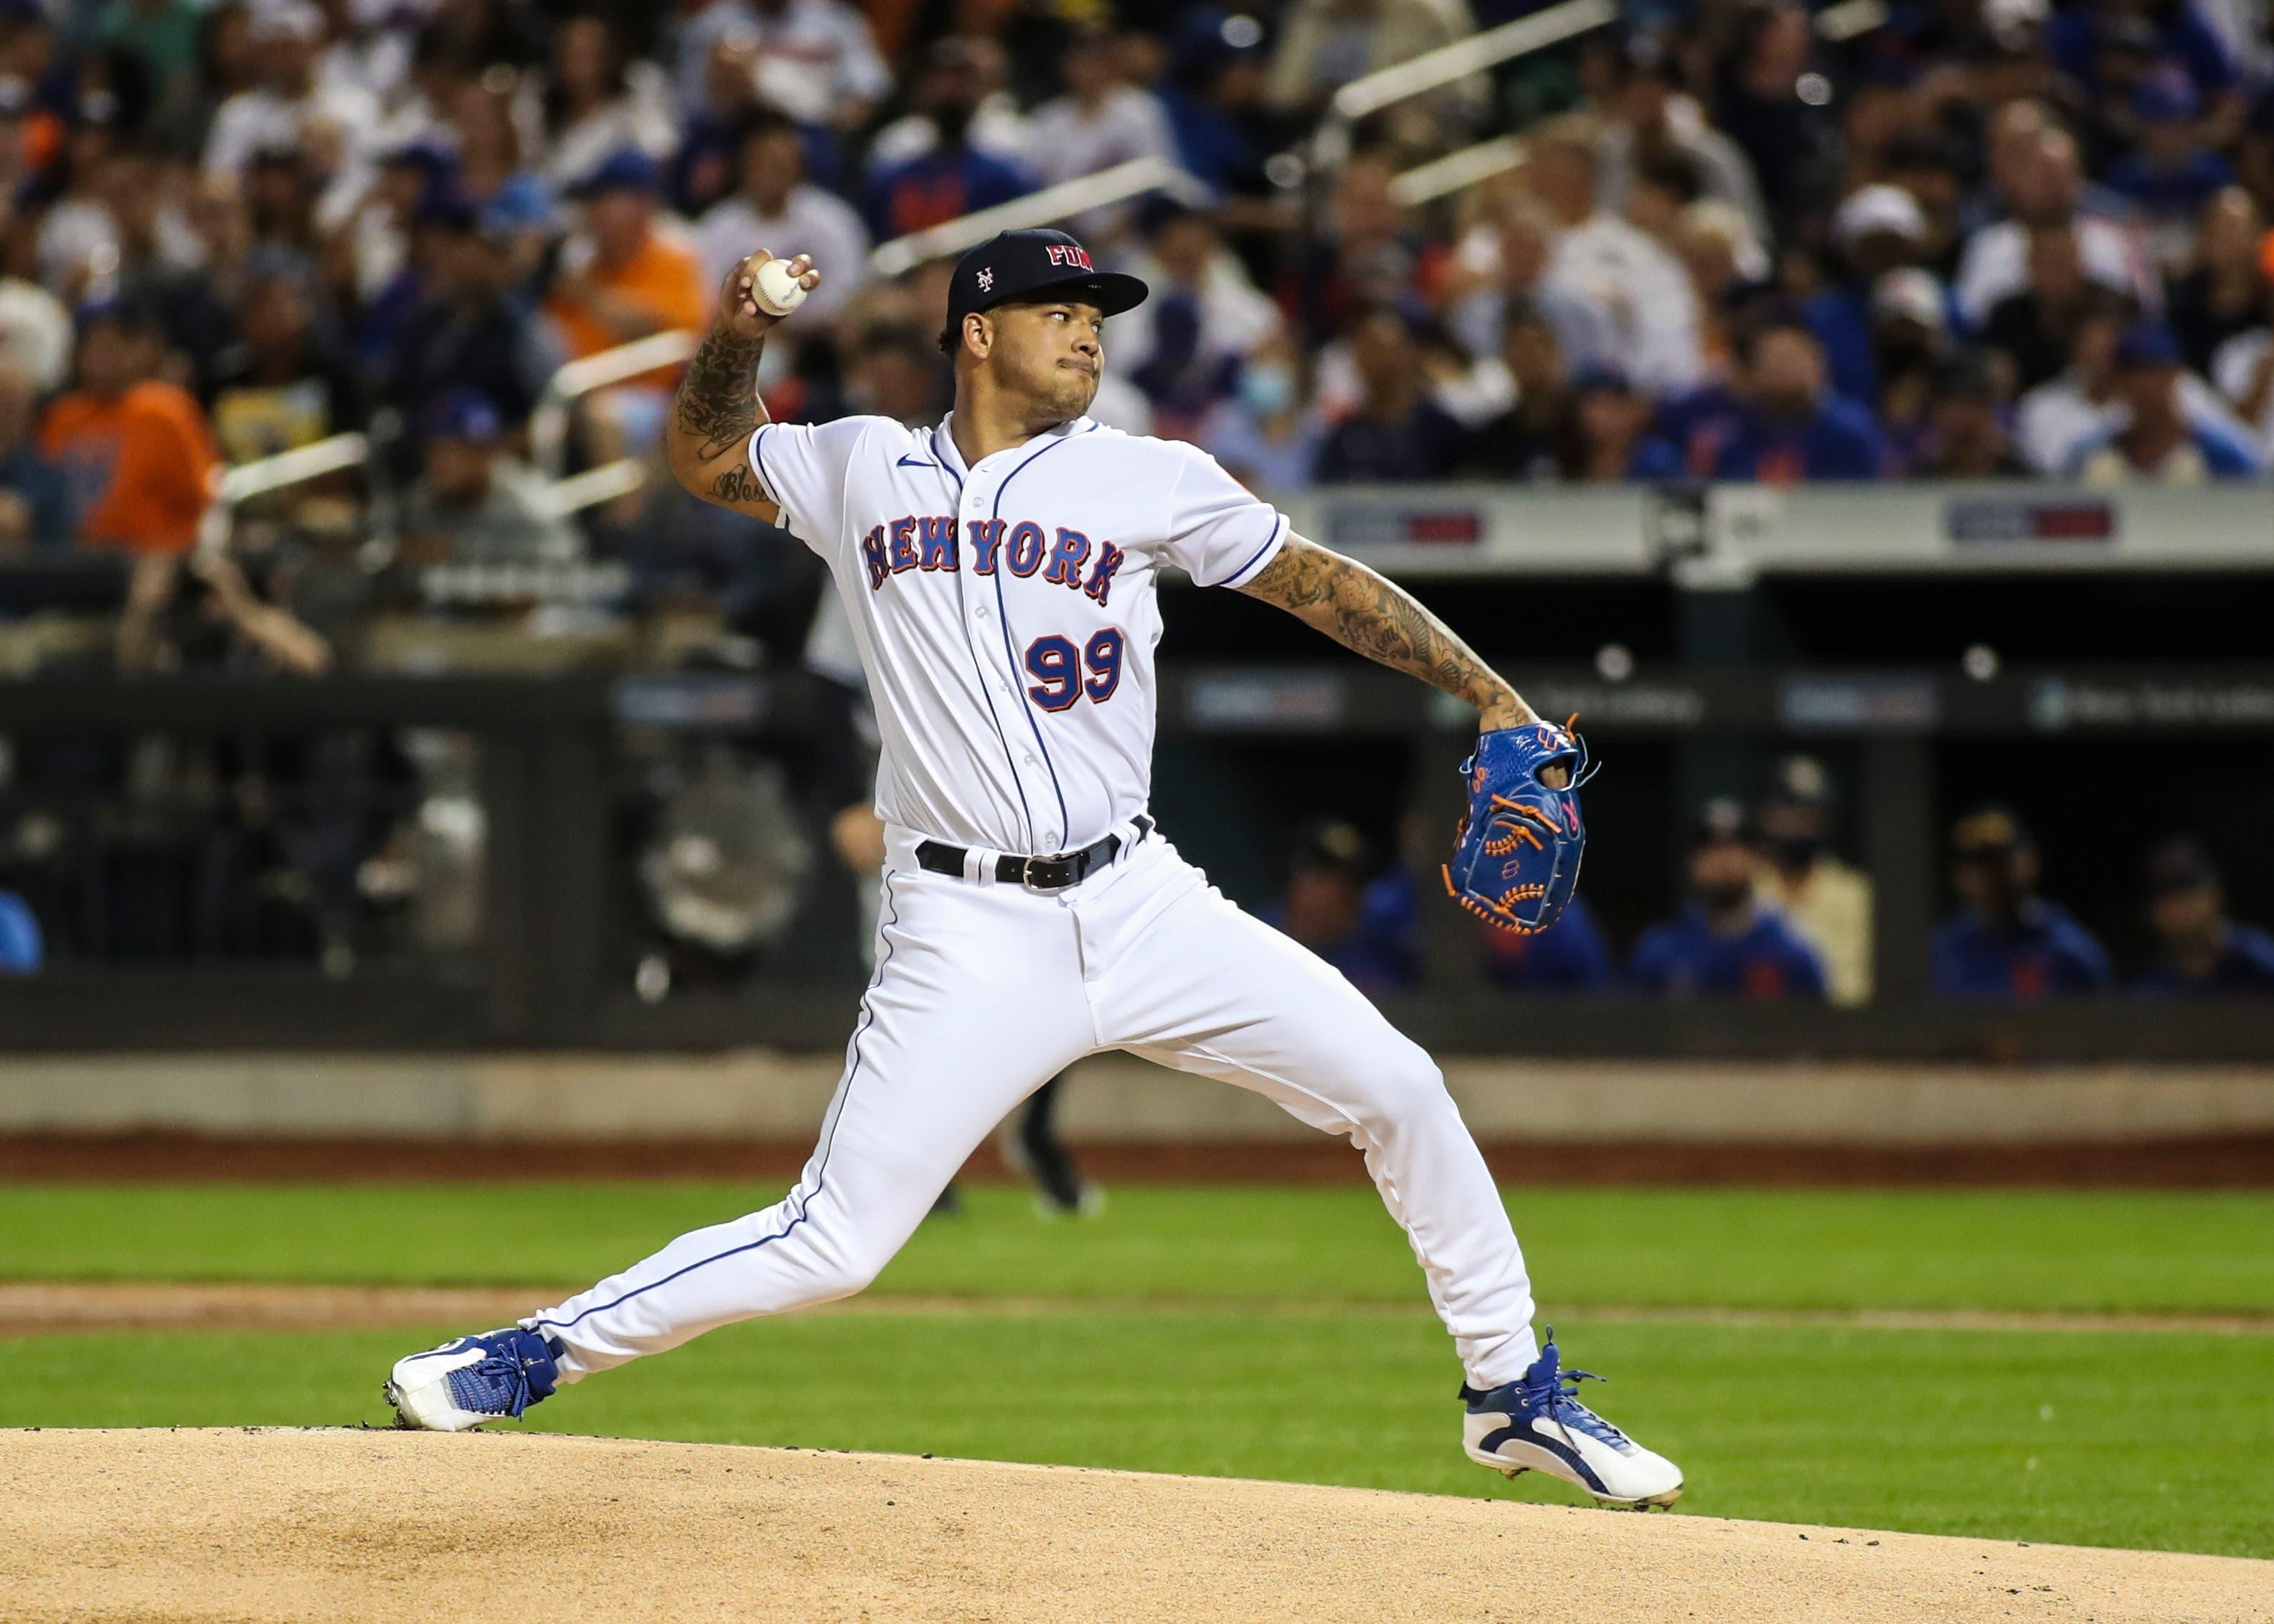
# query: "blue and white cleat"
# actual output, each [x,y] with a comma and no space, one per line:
[1533,1424]
[474,1379]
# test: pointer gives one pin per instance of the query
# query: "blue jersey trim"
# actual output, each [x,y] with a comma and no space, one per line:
[1066,822]
[1278,525]
[828,1142]
[962,586]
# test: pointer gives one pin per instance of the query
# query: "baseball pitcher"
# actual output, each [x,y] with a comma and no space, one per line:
[1001,570]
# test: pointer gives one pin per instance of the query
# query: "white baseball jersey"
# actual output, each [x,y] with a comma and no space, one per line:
[1006,617]
[1007,614]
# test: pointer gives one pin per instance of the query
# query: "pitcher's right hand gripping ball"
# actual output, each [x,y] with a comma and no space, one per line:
[1515,860]
[761,290]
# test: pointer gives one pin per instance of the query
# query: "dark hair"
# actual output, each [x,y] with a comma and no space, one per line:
[1673,171]
[763,120]
[555,100]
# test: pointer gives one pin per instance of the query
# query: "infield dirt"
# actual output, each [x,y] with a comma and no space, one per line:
[268,1524]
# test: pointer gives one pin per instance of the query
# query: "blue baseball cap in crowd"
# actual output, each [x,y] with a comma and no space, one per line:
[1016,266]
[625,170]
[464,414]
[2146,344]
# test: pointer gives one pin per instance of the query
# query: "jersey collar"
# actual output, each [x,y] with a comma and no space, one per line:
[943,446]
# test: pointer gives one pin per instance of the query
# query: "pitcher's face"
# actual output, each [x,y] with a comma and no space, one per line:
[1050,353]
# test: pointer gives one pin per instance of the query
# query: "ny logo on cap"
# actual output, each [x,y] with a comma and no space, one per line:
[1063,254]
[987,279]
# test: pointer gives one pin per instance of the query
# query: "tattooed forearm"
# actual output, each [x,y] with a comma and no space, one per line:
[1380,620]
[717,406]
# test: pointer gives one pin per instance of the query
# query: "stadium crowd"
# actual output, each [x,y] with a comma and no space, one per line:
[1740,239]
[1985,236]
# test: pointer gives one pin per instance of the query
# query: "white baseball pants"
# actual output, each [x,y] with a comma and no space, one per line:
[983,992]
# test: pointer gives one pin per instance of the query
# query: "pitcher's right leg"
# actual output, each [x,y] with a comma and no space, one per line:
[976,1001]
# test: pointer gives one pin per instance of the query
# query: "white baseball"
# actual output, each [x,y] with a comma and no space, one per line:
[774,290]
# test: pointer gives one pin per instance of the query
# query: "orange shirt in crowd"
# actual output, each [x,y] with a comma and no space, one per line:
[662,279]
[138,463]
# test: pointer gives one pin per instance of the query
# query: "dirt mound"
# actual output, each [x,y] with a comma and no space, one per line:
[268,1524]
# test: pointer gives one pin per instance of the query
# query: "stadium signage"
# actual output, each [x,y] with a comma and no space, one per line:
[1981,520]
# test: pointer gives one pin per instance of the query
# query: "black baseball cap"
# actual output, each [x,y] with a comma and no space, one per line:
[1021,266]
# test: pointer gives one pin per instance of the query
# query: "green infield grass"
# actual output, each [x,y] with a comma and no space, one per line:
[2137,1251]
[1196,1330]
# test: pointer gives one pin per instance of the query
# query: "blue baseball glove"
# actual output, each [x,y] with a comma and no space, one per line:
[1515,860]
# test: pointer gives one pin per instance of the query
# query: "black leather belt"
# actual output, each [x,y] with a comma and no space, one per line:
[1034,873]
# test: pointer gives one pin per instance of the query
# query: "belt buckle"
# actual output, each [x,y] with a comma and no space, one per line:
[1063,865]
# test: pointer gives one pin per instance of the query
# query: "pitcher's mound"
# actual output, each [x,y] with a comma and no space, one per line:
[270,1524]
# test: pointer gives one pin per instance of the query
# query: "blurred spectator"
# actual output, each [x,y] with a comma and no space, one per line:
[2244,365]
[2035,325]
[1727,942]
[1533,439]
[1265,434]
[950,177]
[1185,345]
[2169,174]
[1601,257]
[1910,345]
[23,950]
[2223,294]
[593,106]
[135,451]
[1368,252]
[1828,903]
[2158,443]
[2199,951]
[35,332]
[1965,433]
[1569,956]
[1608,437]
[1212,96]
[1499,268]
[1396,431]
[1877,229]
[2006,941]
[1101,120]
[291,103]
[1790,427]
[289,382]
[36,509]
[958,71]
[1358,921]
[163,36]
[1648,117]
[896,373]
[2048,183]
[2103,47]
[465,330]
[816,59]
[774,207]
[510,199]
[623,277]
[1775,107]
[475,504]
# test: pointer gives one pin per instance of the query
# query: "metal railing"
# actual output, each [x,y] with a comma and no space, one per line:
[1445,66]
[1117,185]
[234,487]
[1426,183]
[548,424]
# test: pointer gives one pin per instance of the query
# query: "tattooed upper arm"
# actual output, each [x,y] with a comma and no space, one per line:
[1301,575]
